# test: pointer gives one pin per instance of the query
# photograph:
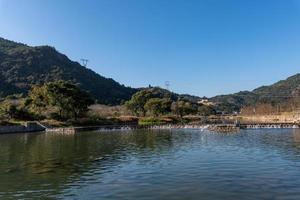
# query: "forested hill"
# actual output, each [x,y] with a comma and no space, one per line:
[281,92]
[22,66]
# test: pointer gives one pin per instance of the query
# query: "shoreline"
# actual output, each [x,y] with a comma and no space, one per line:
[211,127]
[30,127]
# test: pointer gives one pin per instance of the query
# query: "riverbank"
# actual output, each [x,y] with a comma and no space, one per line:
[284,117]
[25,127]
[216,123]
[202,127]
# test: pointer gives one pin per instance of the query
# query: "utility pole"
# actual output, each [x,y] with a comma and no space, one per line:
[84,61]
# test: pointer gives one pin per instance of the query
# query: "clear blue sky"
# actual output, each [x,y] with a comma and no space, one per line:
[203,47]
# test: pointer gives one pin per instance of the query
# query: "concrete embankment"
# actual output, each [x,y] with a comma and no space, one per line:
[26,127]
[211,127]
[36,127]
[229,127]
[72,130]
[269,126]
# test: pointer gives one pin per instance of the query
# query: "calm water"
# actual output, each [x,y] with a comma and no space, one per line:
[178,164]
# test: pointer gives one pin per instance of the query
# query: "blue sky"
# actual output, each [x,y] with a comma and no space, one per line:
[203,47]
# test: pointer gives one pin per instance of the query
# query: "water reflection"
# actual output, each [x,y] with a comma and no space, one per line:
[159,164]
[37,160]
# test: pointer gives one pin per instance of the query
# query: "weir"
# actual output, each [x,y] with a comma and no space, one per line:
[35,126]
[211,127]
[72,130]
[268,126]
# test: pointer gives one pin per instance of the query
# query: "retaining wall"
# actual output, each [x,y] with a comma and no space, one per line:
[23,128]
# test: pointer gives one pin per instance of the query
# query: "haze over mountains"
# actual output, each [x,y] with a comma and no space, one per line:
[22,65]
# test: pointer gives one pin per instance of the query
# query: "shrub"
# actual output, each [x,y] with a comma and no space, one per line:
[151,121]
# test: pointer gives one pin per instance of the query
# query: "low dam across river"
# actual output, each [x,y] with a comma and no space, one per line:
[212,127]
[37,127]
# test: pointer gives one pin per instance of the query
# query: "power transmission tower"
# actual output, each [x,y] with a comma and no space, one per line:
[84,61]
[167,84]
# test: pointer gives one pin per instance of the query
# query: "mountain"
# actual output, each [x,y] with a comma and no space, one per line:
[22,66]
[281,90]
[234,102]
[279,93]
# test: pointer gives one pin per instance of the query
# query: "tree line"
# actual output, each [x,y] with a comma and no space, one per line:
[63,100]
[157,102]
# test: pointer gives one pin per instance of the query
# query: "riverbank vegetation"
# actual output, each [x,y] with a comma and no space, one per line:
[59,100]
[62,103]
[156,102]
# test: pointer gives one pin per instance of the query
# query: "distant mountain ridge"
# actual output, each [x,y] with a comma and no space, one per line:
[22,66]
[277,93]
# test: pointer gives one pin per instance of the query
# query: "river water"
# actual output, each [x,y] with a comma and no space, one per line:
[145,164]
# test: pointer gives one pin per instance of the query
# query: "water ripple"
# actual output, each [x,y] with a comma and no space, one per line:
[152,164]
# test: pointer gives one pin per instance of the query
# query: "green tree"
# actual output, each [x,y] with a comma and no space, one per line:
[14,109]
[157,106]
[67,98]
[206,110]
[181,108]
[137,103]
[37,98]
[9,110]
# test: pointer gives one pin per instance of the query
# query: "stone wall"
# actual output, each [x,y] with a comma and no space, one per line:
[23,128]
